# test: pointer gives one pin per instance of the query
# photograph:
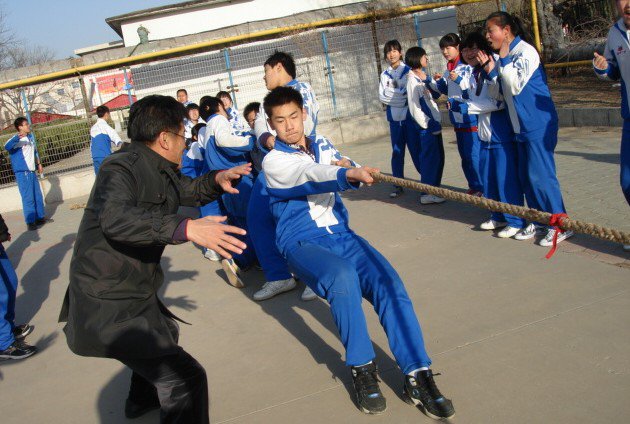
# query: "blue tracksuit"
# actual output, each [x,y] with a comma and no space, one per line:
[427,118]
[262,227]
[22,151]
[465,125]
[8,288]
[498,160]
[392,91]
[223,150]
[535,122]
[314,235]
[102,137]
[617,51]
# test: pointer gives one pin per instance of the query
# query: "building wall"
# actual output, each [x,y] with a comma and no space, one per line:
[198,20]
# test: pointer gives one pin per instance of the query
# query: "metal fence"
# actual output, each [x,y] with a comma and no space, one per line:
[342,64]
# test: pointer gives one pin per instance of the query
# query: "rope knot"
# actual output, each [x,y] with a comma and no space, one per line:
[555,221]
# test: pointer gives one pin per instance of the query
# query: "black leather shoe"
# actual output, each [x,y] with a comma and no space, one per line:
[136,410]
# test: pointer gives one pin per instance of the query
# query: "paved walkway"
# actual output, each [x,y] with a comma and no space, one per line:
[517,338]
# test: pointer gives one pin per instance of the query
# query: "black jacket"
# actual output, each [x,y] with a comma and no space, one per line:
[111,306]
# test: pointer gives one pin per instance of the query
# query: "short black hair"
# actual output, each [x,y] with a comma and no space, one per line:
[19,122]
[281,96]
[191,106]
[283,58]
[101,111]
[476,39]
[182,90]
[413,57]
[251,107]
[209,106]
[151,115]
[221,94]
[392,45]
[195,130]
[449,40]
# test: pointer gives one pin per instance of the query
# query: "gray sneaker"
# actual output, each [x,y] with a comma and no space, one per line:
[273,288]
[231,271]
[308,294]
[212,255]
[548,240]
[528,232]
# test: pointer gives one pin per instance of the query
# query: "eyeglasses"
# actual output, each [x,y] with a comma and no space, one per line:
[179,135]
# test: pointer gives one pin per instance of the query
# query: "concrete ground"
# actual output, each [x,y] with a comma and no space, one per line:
[517,338]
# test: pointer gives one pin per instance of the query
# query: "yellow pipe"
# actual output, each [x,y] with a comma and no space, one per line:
[569,64]
[535,25]
[126,61]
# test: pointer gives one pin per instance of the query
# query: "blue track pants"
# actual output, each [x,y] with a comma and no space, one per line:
[343,269]
[262,232]
[32,199]
[624,160]
[8,288]
[469,148]
[431,158]
[404,133]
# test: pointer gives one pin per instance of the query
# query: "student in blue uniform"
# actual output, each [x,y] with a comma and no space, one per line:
[392,91]
[223,150]
[25,161]
[465,125]
[615,66]
[192,119]
[533,117]
[280,71]
[12,345]
[304,177]
[182,97]
[427,116]
[498,160]
[102,136]
[234,116]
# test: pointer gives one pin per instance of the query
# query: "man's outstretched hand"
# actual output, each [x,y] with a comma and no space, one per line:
[211,233]
[226,179]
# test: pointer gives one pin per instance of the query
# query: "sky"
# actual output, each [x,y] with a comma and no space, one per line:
[65,25]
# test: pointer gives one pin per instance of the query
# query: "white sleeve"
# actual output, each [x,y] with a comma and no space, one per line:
[516,71]
[414,91]
[113,135]
[223,136]
[260,124]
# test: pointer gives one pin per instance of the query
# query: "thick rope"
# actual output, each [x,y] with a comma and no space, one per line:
[520,211]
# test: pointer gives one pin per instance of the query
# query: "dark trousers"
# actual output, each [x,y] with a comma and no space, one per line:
[178,381]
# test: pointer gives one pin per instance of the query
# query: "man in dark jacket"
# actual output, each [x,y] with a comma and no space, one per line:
[111,306]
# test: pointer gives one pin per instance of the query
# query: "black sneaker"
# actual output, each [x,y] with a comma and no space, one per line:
[369,396]
[18,350]
[422,392]
[41,222]
[135,410]
[398,191]
[22,330]
[32,226]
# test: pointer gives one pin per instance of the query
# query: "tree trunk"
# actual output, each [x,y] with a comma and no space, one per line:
[550,27]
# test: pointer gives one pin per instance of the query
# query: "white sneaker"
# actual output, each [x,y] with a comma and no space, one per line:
[508,232]
[548,240]
[491,224]
[527,233]
[626,247]
[428,199]
[272,288]
[308,294]
[212,255]
[232,271]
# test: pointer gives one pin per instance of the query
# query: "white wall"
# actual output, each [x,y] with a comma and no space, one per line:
[221,16]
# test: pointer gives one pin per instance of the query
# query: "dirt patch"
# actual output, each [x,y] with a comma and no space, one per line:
[579,87]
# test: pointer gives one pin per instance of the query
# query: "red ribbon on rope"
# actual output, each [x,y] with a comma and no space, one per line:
[555,221]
